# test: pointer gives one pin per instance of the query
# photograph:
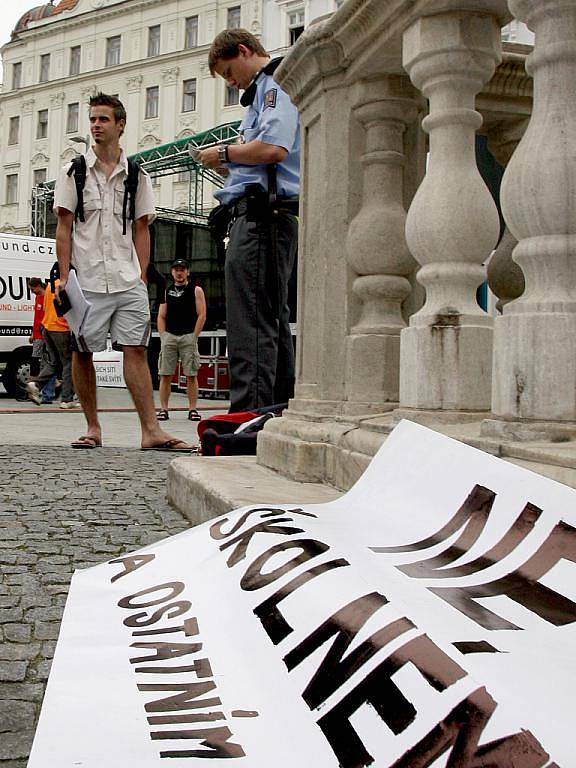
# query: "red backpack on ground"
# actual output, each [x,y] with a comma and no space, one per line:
[235,434]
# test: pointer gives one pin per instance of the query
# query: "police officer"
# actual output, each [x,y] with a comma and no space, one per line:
[261,191]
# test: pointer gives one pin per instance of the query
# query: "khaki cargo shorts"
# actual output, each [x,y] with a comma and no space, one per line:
[174,348]
[125,315]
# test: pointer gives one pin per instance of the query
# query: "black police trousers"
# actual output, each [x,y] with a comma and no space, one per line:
[260,347]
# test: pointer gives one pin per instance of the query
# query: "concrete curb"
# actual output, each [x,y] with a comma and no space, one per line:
[203,488]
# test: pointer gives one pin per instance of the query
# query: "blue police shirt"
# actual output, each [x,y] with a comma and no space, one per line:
[271,119]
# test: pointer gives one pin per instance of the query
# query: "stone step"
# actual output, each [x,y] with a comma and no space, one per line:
[205,487]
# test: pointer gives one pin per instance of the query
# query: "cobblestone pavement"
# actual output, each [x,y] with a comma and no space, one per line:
[62,509]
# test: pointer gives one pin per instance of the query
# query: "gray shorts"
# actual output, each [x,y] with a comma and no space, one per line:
[174,348]
[125,315]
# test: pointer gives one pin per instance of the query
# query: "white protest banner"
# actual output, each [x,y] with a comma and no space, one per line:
[425,619]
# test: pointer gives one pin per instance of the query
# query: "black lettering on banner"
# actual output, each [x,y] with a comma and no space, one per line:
[201,668]
[217,533]
[461,730]
[175,587]
[254,579]
[2,287]
[435,567]
[473,512]
[243,539]
[344,625]
[131,564]
[166,651]
[172,611]
[187,699]
[272,620]
[196,717]
[216,741]
[522,586]
[474,646]
[189,628]
[378,690]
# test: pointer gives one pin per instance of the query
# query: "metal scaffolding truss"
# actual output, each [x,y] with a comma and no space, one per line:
[169,159]
[175,157]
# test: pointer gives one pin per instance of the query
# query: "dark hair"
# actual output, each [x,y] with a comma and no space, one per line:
[105,100]
[225,46]
[35,282]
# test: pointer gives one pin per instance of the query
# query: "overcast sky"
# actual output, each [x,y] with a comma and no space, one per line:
[10,12]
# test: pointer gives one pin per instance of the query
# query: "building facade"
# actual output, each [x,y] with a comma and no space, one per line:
[151,53]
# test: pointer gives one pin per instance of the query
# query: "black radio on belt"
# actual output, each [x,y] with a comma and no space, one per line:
[256,202]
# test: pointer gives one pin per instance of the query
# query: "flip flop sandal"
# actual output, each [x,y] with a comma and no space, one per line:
[172,446]
[86,442]
[193,415]
[162,415]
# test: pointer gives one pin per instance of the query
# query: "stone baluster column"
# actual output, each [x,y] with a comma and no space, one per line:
[505,278]
[535,339]
[453,223]
[376,247]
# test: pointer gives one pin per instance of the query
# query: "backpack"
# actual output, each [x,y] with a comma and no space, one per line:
[78,168]
[235,434]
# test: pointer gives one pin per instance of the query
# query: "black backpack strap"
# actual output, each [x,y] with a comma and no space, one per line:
[78,168]
[130,189]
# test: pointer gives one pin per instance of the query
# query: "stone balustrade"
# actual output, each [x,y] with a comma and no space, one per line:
[397,225]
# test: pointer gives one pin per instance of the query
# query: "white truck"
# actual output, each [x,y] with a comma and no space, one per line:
[21,257]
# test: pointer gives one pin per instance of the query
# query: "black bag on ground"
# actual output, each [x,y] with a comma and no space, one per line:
[235,434]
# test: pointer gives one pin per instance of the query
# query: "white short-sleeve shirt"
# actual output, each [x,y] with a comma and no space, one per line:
[105,259]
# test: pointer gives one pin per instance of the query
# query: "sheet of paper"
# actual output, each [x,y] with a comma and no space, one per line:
[76,316]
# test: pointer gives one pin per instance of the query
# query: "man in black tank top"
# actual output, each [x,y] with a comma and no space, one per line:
[181,318]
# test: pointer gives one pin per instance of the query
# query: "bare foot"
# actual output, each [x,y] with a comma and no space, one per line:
[161,440]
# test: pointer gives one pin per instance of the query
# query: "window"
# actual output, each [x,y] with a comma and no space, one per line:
[11,188]
[17,75]
[39,176]
[152,99]
[72,118]
[113,51]
[75,52]
[42,130]
[14,130]
[189,95]
[44,67]
[154,40]
[295,25]
[191,37]
[231,96]
[233,19]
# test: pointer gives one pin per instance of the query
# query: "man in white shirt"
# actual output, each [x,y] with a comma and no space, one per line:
[110,257]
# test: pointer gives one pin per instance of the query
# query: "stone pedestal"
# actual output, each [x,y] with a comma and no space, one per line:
[535,339]
[452,223]
[376,247]
[363,156]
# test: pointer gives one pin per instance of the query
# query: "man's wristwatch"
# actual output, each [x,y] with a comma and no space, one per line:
[223,153]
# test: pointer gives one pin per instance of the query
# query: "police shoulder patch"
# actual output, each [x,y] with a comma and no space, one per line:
[270,98]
